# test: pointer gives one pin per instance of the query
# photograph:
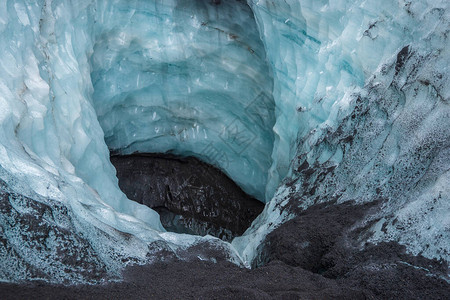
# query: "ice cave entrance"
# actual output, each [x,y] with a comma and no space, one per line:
[186,81]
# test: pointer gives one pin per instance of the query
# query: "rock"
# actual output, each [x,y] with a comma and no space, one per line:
[191,196]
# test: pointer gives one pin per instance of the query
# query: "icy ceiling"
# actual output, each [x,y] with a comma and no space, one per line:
[190,78]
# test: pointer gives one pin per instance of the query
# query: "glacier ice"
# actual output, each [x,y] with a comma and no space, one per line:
[357,94]
[186,77]
[362,105]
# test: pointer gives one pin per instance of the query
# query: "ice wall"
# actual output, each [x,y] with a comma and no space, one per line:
[51,136]
[362,106]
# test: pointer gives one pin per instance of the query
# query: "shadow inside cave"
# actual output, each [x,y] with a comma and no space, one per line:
[191,196]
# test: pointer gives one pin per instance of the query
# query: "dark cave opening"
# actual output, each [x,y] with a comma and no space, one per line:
[191,196]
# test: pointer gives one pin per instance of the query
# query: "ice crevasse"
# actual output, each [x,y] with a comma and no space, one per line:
[325,100]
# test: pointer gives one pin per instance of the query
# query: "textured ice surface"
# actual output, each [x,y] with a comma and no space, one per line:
[189,77]
[52,146]
[362,106]
[361,93]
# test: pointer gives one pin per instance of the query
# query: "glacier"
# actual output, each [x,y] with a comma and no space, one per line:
[298,101]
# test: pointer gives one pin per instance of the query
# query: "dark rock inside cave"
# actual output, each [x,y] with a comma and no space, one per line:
[191,196]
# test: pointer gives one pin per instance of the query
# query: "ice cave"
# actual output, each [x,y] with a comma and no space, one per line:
[231,149]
